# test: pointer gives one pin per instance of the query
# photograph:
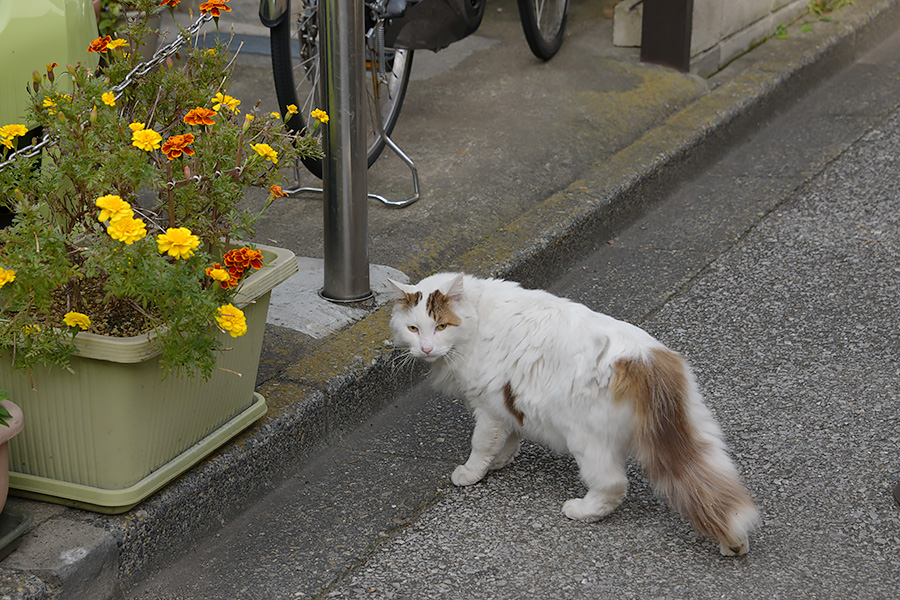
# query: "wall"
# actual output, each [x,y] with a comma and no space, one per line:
[721,29]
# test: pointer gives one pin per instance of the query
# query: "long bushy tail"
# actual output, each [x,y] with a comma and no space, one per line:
[680,446]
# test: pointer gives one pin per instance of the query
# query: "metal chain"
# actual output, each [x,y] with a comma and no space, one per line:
[141,69]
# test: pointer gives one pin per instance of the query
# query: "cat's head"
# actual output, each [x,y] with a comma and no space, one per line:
[428,318]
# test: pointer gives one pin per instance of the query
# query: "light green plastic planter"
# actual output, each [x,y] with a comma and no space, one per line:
[113,433]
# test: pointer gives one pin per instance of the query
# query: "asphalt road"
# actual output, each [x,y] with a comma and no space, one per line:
[776,272]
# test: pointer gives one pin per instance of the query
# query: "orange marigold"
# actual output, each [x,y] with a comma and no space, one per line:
[170,3]
[177,145]
[213,7]
[200,116]
[100,44]
[276,191]
[241,259]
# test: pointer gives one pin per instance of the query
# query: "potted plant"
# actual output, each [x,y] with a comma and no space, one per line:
[11,423]
[131,318]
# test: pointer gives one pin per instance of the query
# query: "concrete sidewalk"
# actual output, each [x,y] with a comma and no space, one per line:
[532,165]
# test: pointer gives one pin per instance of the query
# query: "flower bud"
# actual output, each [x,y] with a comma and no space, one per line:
[35,77]
[187,172]
[169,62]
[93,117]
[61,117]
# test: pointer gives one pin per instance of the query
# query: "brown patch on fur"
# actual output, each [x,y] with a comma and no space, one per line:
[677,460]
[408,300]
[438,307]
[509,399]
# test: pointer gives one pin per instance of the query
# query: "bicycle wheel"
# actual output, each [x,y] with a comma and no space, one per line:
[295,66]
[544,22]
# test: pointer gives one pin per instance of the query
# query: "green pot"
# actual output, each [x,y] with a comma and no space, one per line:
[111,434]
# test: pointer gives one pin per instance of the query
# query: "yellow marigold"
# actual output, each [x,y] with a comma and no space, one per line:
[292,109]
[274,115]
[8,133]
[117,43]
[146,139]
[267,152]
[178,242]
[77,319]
[31,329]
[218,273]
[113,208]
[319,115]
[136,126]
[50,105]
[127,231]
[108,98]
[232,320]
[228,102]
[6,275]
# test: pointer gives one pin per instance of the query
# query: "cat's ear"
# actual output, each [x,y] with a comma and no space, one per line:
[399,291]
[455,290]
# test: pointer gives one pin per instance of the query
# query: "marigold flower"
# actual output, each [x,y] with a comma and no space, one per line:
[136,126]
[178,242]
[319,115]
[239,260]
[127,231]
[226,101]
[108,98]
[222,276]
[146,139]
[50,105]
[170,3]
[6,275]
[8,133]
[232,320]
[116,43]
[214,7]
[292,109]
[31,329]
[274,115]
[177,145]
[276,192]
[267,152]
[100,44]
[113,208]
[200,116]
[77,319]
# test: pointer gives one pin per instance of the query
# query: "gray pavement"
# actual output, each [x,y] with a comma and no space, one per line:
[781,297]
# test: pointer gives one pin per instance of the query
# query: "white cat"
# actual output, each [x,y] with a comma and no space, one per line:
[531,364]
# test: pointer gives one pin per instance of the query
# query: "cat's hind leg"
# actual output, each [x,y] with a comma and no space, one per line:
[603,472]
[489,440]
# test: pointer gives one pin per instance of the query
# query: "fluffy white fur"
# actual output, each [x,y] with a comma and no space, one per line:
[531,364]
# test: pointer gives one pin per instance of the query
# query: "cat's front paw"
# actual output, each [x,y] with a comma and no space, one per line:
[463,475]
[582,509]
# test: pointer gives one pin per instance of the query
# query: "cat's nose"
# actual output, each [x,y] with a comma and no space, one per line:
[427,349]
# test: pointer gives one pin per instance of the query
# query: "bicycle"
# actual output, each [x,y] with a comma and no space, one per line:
[394,29]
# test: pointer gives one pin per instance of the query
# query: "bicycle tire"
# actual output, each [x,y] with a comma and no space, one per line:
[544,28]
[296,81]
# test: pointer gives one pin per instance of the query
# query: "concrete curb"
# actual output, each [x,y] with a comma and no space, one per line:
[325,393]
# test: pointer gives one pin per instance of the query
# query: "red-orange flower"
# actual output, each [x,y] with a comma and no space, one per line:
[200,116]
[99,45]
[241,259]
[170,3]
[276,191]
[177,145]
[214,6]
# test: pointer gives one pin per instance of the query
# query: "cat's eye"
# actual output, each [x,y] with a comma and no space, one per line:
[441,326]
[413,328]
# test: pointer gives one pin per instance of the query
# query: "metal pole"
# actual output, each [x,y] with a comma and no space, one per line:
[342,56]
